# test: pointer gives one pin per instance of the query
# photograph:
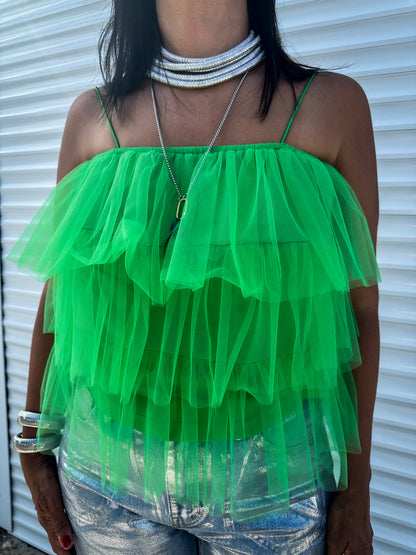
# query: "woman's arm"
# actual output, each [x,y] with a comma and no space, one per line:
[40,470]
[75,146]
[41,346]
[349,528]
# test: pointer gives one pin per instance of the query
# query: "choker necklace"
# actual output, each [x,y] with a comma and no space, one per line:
[183,201]
[179,71]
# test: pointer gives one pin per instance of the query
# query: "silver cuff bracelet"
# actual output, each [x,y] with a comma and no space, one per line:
[35,445]
[32,419]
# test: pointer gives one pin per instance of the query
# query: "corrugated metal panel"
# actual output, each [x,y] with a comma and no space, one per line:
[47,57]
[374,42]
[5,493]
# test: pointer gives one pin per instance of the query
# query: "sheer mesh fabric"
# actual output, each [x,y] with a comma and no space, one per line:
[245,320]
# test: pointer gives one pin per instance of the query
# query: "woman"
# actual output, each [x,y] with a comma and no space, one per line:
[200,334]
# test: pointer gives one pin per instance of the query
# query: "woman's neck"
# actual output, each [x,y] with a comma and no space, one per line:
[202,28]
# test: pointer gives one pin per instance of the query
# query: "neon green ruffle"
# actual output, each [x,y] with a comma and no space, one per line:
[246,318]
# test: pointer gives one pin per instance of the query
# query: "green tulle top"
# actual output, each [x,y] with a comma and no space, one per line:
[241,323]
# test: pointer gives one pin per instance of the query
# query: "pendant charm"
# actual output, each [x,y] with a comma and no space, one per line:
[173,226]
[180,213]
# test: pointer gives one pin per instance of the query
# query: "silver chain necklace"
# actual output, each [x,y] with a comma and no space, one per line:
[183,201]
[180,71]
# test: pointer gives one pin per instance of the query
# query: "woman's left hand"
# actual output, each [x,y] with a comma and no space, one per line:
[349,530]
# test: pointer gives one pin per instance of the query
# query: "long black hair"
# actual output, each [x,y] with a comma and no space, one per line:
[131,40]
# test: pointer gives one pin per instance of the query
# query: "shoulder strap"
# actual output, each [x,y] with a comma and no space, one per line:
[289,125]
[108,119]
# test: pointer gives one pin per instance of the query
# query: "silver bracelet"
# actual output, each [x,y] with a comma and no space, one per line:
[35,445]
[32,420]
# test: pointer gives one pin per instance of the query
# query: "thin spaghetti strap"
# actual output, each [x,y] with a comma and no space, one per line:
[289,125]
[108,119]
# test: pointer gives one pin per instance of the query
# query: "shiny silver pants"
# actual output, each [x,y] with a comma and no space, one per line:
[103,525]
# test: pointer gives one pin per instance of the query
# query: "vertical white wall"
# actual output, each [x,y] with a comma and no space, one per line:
[48,56]
[5,491]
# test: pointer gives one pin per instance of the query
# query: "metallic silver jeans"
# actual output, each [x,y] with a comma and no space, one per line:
[127,525]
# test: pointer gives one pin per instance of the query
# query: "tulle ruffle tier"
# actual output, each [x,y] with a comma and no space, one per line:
[244,327]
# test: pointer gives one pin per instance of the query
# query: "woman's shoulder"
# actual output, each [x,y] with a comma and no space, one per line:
[347,111]
[86,119]
[337,81]
[343,94]
[85,133]
[340,106]
[331,110]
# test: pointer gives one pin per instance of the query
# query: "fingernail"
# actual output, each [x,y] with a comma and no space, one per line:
[66,542]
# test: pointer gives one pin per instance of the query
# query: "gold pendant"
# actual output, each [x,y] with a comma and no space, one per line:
[179,214]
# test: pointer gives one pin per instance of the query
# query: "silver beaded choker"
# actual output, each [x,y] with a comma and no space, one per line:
[179,71]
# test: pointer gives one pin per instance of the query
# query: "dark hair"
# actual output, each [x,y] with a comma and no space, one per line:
[131,40]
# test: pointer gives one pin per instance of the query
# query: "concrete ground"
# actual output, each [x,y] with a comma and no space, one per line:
[9,545]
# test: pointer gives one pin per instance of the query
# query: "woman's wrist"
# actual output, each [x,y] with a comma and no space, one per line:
[359,472]
[28,432]
[359,478]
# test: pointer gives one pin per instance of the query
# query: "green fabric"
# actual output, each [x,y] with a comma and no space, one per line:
[244,321]
[295,111]
[97,90]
